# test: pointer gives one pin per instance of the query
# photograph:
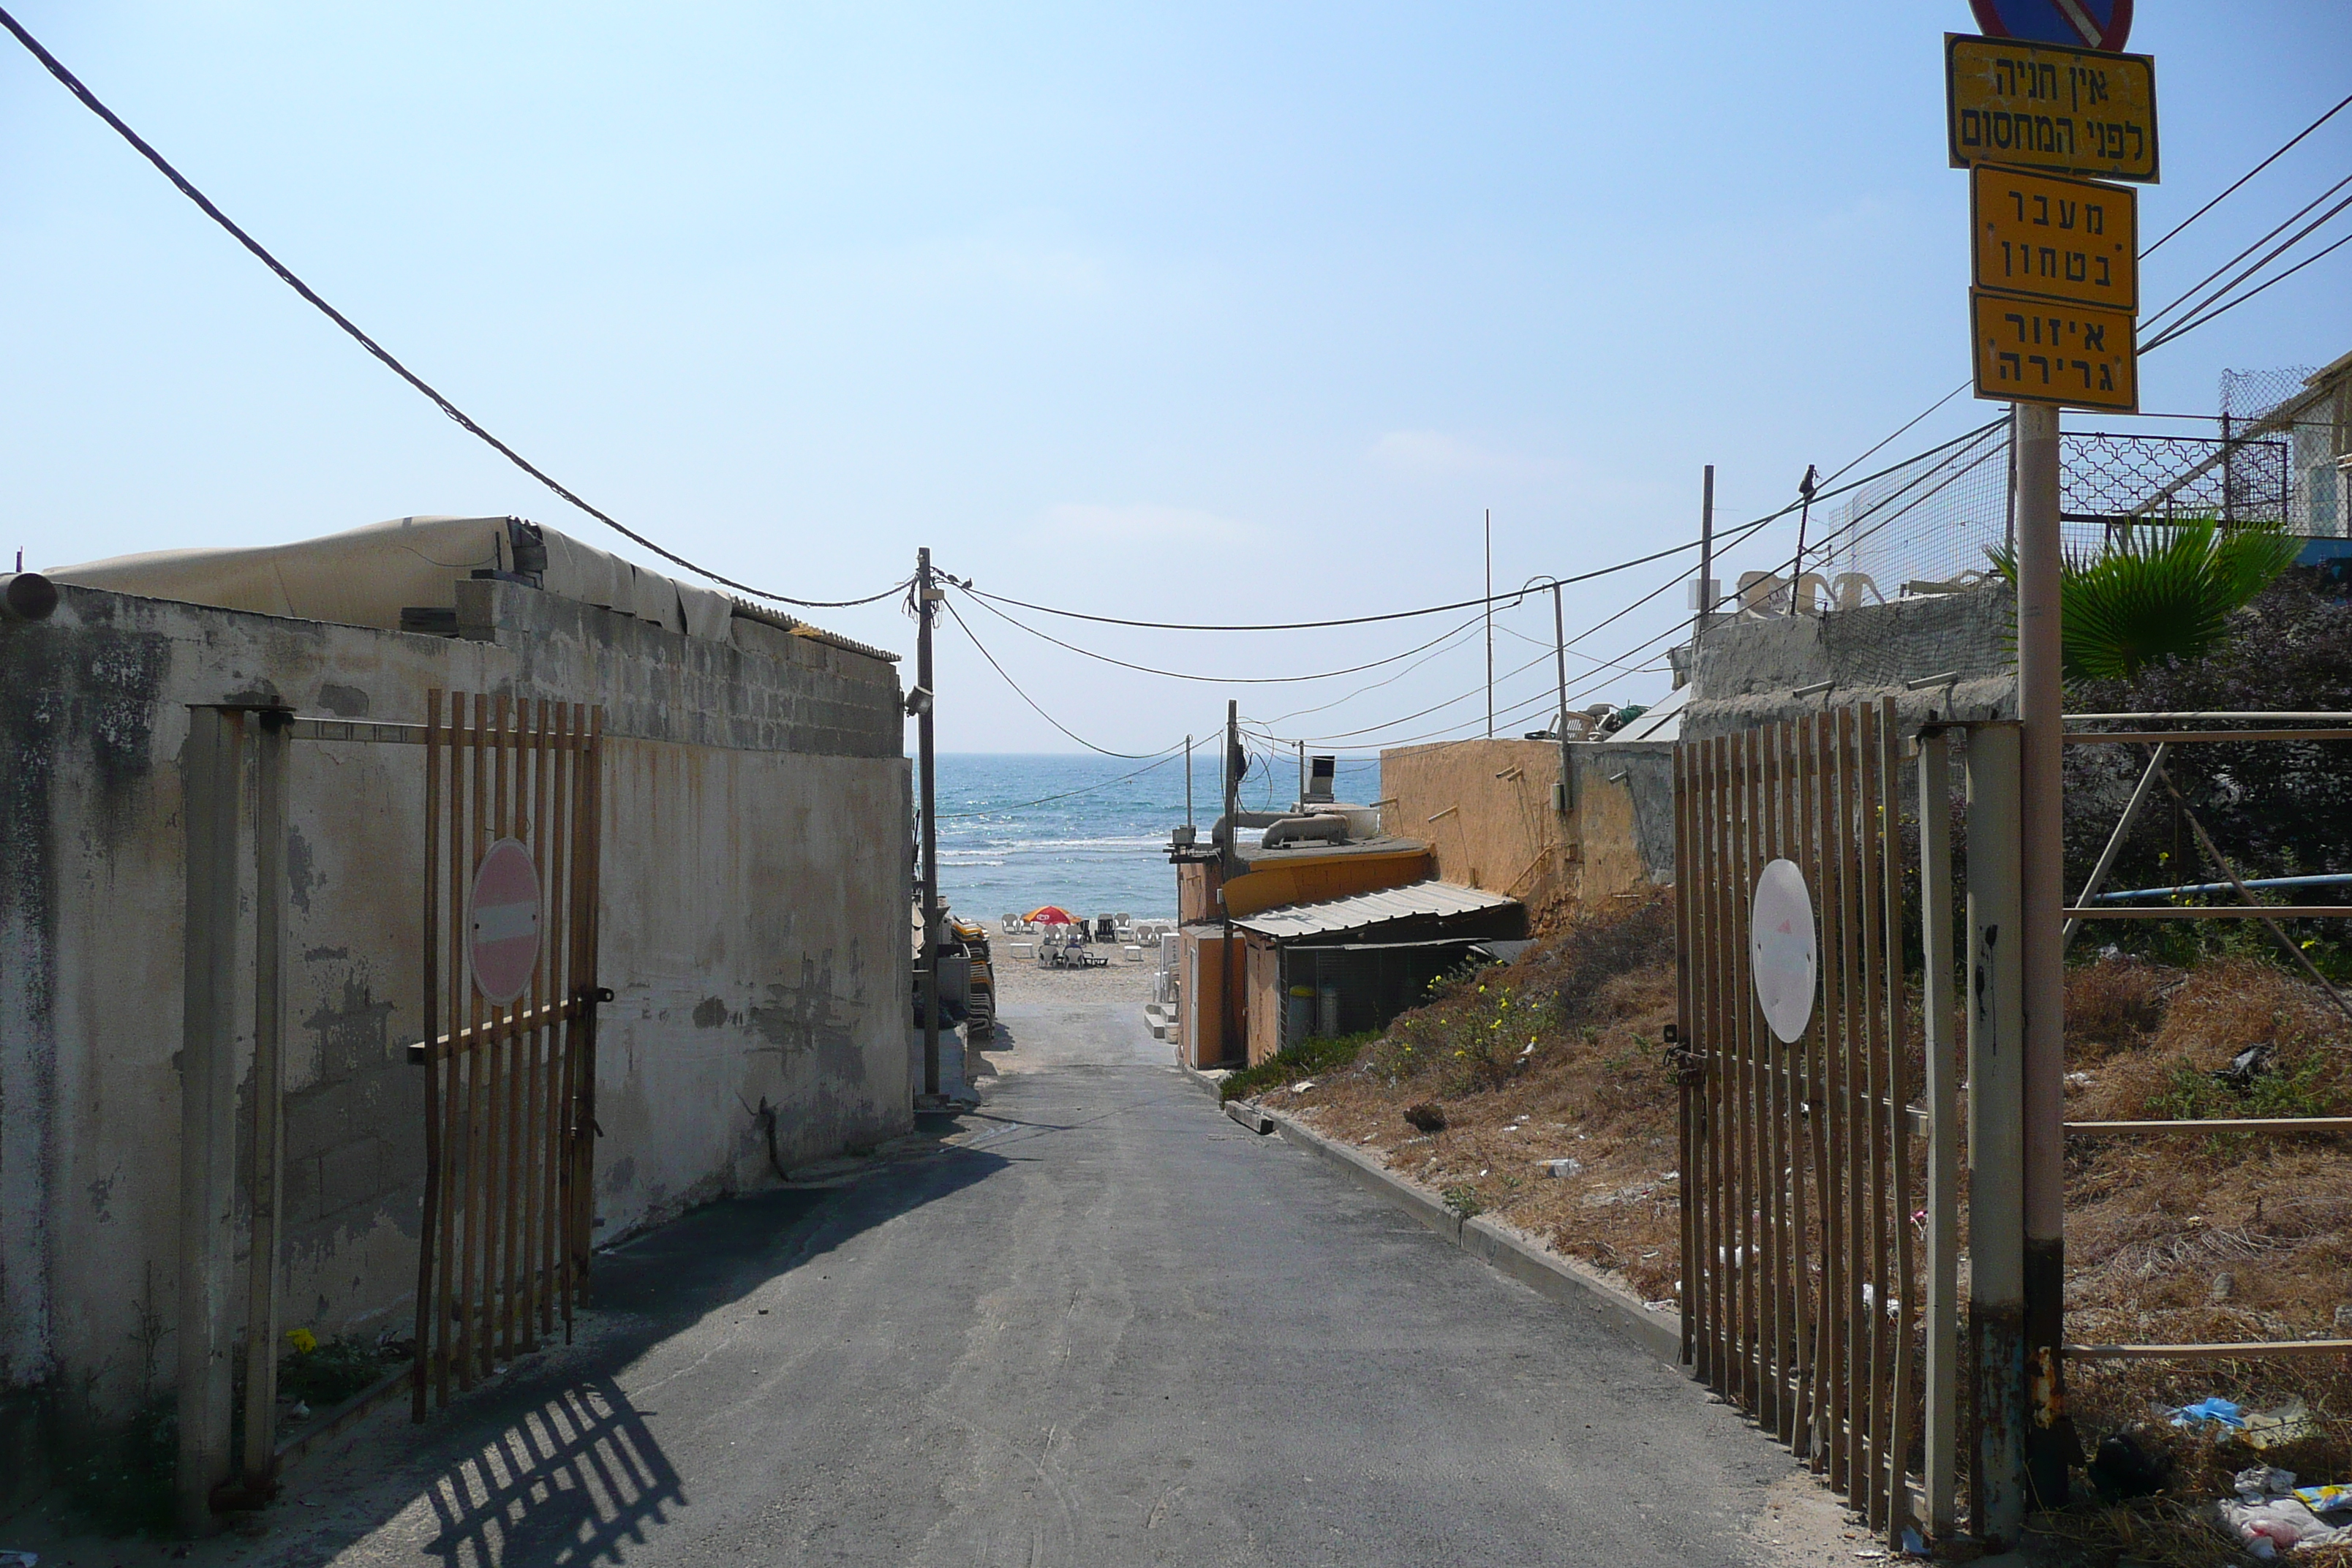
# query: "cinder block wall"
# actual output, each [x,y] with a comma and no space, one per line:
[756,864]
[1746,670]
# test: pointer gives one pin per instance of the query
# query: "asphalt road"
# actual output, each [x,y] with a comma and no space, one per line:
[1107,1327]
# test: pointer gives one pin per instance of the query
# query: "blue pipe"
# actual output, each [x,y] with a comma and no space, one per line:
[2331,879]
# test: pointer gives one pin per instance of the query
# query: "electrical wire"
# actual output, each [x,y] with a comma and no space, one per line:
[2192,323]
[89,100]
[1513,597]
[1339,702]
[1165,758]
[2248,175]
[1218,679]
[1065,728]
[2178,300]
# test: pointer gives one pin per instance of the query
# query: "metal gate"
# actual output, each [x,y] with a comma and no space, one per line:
[510,1082]
[1799,1249]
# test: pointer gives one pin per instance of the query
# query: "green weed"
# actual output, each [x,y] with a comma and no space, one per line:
[1305,1060]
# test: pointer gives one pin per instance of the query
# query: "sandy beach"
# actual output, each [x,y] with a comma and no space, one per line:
[1027,992]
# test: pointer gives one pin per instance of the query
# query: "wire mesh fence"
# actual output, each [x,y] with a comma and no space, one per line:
[2311,416]
[2277,453]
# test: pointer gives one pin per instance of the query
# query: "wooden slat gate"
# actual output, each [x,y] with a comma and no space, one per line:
[511,1089]
[1799,1250]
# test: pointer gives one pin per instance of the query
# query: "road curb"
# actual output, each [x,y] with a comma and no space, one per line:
[1211,1087]
[1562,1280]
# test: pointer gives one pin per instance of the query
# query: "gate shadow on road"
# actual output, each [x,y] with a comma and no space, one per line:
[568,1480]
[555,1465]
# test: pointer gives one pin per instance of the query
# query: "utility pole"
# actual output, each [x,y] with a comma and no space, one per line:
[1559,656]
[1490,622]
[1229,865]
[1559,725]
[1804,521]
[2050,1435]
[925,597]
[1707,591]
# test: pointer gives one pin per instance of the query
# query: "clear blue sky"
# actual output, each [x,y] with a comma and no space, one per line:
[1221,312]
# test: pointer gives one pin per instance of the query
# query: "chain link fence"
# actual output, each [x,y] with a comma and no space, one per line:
[2276,453]
[2313,419]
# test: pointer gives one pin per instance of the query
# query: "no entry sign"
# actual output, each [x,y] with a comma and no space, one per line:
[1781,951]
[2085,24]
[502,923]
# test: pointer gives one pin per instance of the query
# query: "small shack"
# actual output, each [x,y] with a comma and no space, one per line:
[1352,964]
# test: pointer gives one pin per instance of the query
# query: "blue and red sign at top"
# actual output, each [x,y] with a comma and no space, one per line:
[2084,24]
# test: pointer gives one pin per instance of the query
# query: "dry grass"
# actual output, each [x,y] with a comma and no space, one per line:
[1593,1000]
[2171,1238]
[2188,1237]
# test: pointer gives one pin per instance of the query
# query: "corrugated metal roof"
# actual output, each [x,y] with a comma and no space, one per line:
[1359,911]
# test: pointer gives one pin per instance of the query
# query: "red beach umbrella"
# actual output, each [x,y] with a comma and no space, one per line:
[1051,915]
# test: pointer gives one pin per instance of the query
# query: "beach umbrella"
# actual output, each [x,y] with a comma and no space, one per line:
[1051,915]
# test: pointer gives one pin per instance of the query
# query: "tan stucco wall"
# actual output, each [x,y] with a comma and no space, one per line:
[1483,831]
[1486,809]
[755,867]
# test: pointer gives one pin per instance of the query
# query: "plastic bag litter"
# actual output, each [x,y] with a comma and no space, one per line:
[2269,1428]
[2276,1524]
[2212,1409]
[2256,1482]
[9,1559]
[2329,1498]
[2270,1518]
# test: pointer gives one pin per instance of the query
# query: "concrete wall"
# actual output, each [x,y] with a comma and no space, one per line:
[756,864]
[1486,809]
[1623,818]
[1746,669]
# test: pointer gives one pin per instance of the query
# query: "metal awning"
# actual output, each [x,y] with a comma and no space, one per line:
[1359,911]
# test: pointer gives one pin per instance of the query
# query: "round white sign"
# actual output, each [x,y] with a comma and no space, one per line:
[502,923]
[1781,949]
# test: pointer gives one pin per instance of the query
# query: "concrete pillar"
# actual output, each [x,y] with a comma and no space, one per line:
[213,766]
[1996,1029]
[2050,1440]
[265,1161]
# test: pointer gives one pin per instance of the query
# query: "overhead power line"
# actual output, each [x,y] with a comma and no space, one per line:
[2196,321]
[1163,759]
[1478,604]
[2248,175]
[1065,728]
[1217,679]
[89,100]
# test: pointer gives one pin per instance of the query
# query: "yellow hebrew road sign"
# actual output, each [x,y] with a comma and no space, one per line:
[2055,238]
[2046,106]
[2037,350]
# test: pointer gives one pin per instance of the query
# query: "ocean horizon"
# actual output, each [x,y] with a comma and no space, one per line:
[1089,833]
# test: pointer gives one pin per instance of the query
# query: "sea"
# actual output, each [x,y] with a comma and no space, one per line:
[1088,833]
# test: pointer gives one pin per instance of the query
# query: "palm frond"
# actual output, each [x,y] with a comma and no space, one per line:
[2163,592]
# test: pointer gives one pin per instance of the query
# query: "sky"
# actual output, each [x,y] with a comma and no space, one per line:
[1217,313]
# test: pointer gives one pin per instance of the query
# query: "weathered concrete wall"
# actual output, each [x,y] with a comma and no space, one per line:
[755,867]
[1486,809]
[1624,817]
[1746,669]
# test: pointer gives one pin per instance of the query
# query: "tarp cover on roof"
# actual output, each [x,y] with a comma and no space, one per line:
[367,576]
[1359,911]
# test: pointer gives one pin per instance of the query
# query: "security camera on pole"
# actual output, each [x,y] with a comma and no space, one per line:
[2040,101]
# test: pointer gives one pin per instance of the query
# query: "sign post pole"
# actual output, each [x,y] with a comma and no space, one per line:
[2040,112]
[2040,704]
